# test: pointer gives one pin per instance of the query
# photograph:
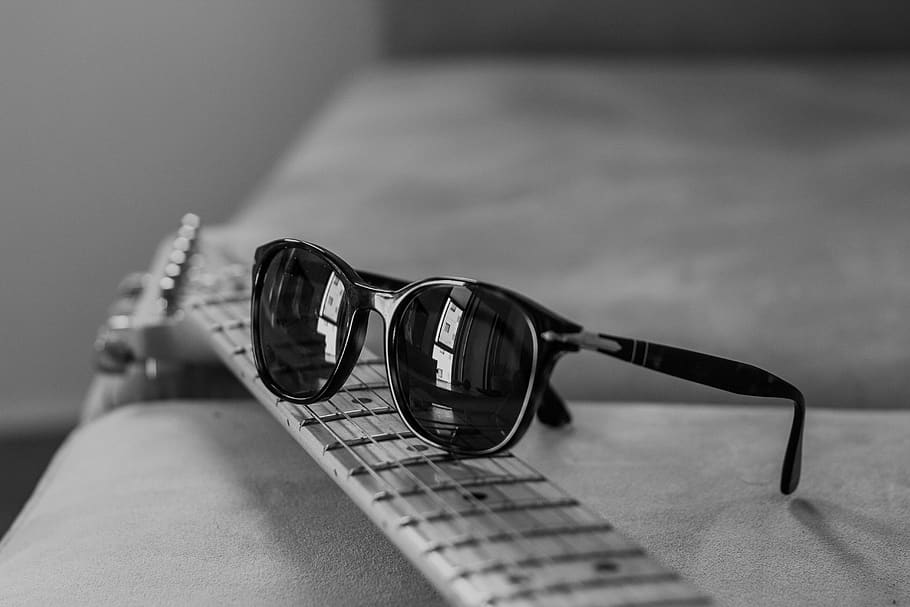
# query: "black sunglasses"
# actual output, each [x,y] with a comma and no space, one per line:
[468,363]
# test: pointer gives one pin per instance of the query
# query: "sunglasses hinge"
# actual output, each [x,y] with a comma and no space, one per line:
[583,340]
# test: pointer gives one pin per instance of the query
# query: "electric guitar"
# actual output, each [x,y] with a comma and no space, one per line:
[484,530]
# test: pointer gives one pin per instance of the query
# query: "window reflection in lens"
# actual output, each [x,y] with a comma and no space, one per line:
[303,321]
[464,357]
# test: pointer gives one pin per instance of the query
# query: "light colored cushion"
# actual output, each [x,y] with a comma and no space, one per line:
[697,486]
[757,211]
[212,502]
[196,503]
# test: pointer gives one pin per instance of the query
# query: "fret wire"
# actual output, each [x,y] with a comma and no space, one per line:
[509,505]
[588,539]
[530,533]
[477,482]
[564,558]
[516,534]
[407,461]
[595,582]
[362,441]
[334,417]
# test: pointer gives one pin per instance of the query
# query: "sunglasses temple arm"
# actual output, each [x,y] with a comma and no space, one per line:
[708,370]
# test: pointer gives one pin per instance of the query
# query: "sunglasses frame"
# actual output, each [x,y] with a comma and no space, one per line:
[362,297]
[552,334]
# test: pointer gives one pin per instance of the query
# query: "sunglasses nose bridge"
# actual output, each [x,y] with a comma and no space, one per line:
[383,302]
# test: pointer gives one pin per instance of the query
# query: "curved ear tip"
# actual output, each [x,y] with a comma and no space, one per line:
[789,483]
[554,417]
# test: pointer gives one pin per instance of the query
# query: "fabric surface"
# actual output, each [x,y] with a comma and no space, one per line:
[697,487]
[197,503]
[211,502]
[755,211]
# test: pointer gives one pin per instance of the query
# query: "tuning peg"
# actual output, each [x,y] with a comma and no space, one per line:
[191,220]
[178,257]
[132,284]
[112,352]
[185,245]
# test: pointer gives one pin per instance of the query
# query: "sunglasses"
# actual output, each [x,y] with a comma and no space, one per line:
[468,363]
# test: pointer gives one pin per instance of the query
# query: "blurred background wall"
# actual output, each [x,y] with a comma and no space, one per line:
[116,117]
[693,27]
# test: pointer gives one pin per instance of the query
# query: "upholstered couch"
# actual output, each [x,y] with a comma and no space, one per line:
[758,210]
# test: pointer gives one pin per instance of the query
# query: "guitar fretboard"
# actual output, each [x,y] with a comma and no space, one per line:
[485,530]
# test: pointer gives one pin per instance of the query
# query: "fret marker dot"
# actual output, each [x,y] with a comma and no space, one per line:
[517,578]
[416,447]
[478,495]
[606,567]
[361,400]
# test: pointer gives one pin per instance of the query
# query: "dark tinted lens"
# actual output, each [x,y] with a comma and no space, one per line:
[303,321]
[464,357]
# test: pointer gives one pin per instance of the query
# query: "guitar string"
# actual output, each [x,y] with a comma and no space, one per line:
[517,533]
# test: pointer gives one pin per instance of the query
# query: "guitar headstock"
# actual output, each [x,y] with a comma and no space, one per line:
[147,308]
[145,347]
